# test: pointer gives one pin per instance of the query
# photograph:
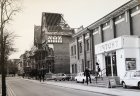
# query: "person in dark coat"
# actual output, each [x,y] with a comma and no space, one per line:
[40,75]
[87,74]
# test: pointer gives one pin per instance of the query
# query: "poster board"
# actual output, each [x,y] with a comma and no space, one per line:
[112,83]
[130,63]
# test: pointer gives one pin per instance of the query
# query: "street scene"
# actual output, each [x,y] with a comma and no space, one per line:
[24,87]
[69,48]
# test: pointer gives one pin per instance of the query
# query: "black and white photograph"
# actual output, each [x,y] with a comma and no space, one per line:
[69,47]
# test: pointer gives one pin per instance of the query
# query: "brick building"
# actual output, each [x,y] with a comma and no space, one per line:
[112,41]
[57,34]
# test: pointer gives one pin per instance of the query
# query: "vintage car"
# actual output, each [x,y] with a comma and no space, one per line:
[81,78]
[131,78]
[59,76]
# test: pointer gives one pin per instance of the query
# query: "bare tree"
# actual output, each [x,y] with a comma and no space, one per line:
[8,8]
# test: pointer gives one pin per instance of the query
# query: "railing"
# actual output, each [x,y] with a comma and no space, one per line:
[102,73]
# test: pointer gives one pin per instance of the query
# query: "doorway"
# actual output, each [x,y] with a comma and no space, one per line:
[110,62]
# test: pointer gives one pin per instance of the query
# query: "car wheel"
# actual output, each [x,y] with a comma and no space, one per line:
[139,85]
[124,85]
[76,81]
[55,79]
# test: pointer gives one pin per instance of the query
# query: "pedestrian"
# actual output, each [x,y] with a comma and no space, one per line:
[40,75]
[43,75]
[23,75]
[98,70]
[87,74]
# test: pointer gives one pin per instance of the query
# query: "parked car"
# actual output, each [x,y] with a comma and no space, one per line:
[59,76]
[131,78]
[81,78]
[68,77]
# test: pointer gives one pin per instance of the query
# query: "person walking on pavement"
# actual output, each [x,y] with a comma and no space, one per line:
[98,70]
[43,75]
[87,74]
[40,76]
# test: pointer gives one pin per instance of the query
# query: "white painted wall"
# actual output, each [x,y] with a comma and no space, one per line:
[130,42]
[129,48]
[138,63]
[120,62]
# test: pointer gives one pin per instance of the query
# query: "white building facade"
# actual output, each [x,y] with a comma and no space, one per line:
[119,55]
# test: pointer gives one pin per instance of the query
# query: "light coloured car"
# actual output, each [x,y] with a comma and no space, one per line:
[59,76]
[131,78]
[81,78]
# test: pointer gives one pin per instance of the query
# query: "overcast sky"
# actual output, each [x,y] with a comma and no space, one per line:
[76,13]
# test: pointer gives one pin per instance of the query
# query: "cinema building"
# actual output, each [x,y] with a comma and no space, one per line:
[113,41]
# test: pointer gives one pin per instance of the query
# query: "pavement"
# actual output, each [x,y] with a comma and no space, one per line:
[107,91]
[90,88]
[84,87]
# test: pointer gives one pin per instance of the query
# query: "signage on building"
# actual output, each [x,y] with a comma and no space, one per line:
[108,46]
[54,39]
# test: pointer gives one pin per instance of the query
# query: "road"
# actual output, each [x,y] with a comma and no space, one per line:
[22,87]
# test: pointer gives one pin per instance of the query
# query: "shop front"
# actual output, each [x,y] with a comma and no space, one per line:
[119,55]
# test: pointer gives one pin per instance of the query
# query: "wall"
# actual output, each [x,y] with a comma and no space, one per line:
[121,26]
[73,58]
[136,24]
[108,33]
[120,60]
[61,53]
[97,38]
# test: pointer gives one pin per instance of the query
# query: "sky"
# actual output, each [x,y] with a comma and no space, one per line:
[76,13]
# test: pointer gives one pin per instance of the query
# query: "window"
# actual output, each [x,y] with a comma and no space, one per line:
[72,68]
[80,47]
[71,50]
[87,45]
[137,74]
[75,68]
[74,49]
[88,64]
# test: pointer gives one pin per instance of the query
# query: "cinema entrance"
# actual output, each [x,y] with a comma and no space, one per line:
[110,63]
